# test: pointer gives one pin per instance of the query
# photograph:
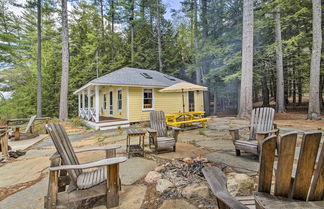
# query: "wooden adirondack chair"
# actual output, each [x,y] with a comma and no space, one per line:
[302,188]
[261,126]
[158,135]
[66,170]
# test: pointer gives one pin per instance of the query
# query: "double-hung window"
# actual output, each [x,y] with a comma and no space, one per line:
[120,99]
[147,99]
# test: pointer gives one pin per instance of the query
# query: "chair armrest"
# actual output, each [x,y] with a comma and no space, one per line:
[268,132]
[238,128]
[174,128]
[217,182]
[105,162]
[151,130]
[98,148]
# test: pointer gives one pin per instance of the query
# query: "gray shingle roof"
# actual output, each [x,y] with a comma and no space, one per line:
[136,77]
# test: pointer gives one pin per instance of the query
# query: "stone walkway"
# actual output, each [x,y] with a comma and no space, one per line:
[214,143]
[246,163]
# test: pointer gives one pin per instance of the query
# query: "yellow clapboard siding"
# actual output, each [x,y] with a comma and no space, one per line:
[168,102]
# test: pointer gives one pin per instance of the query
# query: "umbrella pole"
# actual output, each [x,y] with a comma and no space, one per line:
[183,104]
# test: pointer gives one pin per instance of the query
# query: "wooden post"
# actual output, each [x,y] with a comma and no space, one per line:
[4,144]
[17,133]
[97,103]
[79,104]
[112,186]
[83,102]
[89,103]
[52,190]
[46,122]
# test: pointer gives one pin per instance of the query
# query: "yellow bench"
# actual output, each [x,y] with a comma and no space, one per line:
[188,118]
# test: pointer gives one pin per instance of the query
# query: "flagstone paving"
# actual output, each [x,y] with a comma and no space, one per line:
[246,163]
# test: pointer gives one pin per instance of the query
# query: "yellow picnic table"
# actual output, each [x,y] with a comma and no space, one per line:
[177,119]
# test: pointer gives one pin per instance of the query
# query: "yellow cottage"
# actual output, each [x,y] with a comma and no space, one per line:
[128,95]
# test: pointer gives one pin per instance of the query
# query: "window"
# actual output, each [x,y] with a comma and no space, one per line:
[147,76]
[120,100]
[147,98]
[104,101]
[170,78]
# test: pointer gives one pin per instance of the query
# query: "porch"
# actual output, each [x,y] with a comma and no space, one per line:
[91,108]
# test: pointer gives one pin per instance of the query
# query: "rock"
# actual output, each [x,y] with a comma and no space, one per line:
[163,185]
[203,159]
[152,177]
[196,190]
[179,204]
[160,168]
[187,159]
[239,184]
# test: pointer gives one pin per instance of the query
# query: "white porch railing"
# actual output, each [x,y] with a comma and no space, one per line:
[88,113]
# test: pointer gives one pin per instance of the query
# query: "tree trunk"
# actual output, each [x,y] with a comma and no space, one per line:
[280,96]
[158,20]
[195,34]
[265,91]
[314,111]
[39,58]
[300,89]
[294,87]
[131,19]
[142,9]
[102,19]
[321,92]
[112,14]
[205,65]
[63,115]
[247,61]
[215,101]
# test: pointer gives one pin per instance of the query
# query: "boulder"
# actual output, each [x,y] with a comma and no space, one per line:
[152,177]
[239,184]
[160,168]
[196,190]
[187,159]
[163,185]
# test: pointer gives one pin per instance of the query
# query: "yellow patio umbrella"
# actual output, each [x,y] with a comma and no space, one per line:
[184,87]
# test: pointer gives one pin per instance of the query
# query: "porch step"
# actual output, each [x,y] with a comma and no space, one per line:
[108,125]
[121,124]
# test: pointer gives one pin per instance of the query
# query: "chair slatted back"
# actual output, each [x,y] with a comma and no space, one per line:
[158,123]
[307,183]
[261,120]
[30,123]
[64,148]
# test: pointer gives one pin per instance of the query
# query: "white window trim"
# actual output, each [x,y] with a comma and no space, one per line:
[120,110]
[147,109]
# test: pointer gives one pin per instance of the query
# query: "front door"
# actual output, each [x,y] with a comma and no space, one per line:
[191,95]
[111,107]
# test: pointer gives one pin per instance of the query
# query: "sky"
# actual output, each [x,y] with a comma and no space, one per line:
[169,4]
